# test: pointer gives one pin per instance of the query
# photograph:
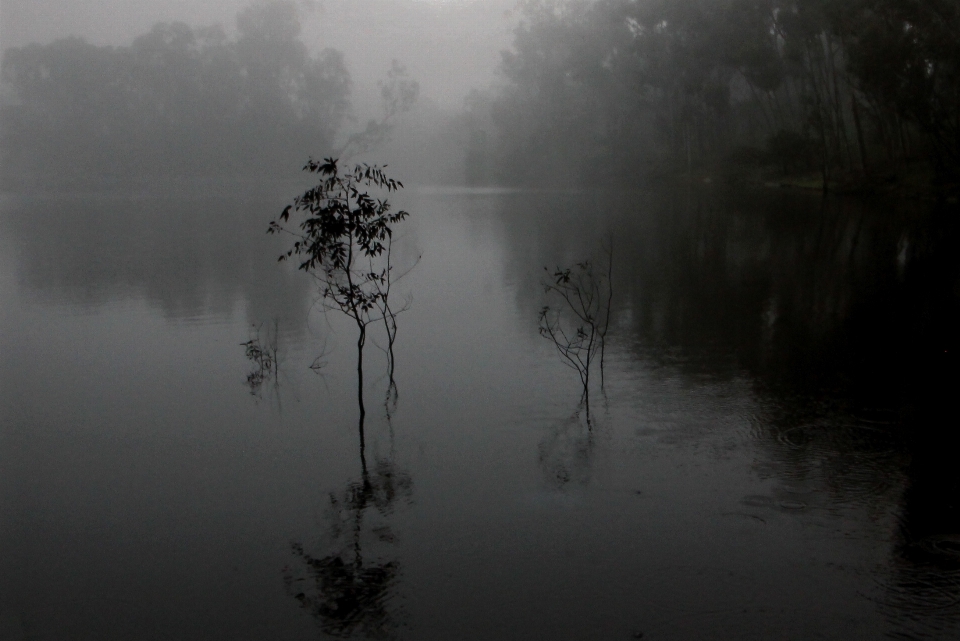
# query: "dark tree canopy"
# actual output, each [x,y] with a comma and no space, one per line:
[606,89]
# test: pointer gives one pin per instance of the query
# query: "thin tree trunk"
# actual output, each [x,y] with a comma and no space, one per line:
[855,108]
[606,320]
[360,343]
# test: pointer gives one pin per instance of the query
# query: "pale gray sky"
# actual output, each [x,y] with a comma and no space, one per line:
[448,46]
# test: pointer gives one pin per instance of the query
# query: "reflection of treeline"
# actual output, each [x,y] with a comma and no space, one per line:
[787,288]
[185,256]
[604,88]
[176,100]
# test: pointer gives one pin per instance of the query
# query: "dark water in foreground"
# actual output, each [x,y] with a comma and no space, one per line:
[774,456]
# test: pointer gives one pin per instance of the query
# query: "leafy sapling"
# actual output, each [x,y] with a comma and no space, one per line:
[343,240]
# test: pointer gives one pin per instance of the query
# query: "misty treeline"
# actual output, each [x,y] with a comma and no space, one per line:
[181,100]
[840,89]
[592,92]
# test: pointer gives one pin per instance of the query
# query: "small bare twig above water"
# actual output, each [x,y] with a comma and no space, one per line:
[321,360]
[388,312]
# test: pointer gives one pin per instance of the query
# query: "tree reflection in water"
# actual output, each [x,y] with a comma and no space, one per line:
[347,591]
[566,453]
[263,354]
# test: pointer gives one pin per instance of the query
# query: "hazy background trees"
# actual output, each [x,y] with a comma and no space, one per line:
[177,100]
[853,93]
[103,95]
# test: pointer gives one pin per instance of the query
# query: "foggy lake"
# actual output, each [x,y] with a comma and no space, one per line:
[766,459]
[655,338]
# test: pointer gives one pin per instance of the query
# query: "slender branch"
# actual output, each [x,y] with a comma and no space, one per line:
[606,319]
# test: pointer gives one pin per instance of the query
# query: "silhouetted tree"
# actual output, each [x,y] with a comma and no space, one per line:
[578,326]
[343,241]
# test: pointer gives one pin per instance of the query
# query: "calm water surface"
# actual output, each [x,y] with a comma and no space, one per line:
[772,457]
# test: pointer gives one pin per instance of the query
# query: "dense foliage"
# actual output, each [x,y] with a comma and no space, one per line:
[178,100]
[603,89]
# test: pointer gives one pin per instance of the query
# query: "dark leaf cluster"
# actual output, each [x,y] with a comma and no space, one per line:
[341,221]
[342,233]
